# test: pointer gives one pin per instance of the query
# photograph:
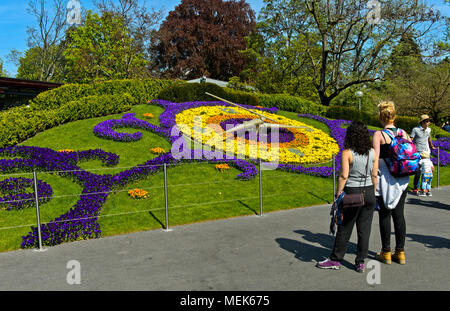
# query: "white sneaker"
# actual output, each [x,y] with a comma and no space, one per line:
[421,194]
[429,194]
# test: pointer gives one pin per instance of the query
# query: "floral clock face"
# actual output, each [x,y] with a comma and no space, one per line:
[302,145]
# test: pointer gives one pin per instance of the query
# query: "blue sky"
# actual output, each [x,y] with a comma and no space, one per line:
[14,20]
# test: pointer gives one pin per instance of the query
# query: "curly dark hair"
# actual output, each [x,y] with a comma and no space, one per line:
[358,138]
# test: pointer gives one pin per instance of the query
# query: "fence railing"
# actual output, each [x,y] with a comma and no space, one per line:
[165,186]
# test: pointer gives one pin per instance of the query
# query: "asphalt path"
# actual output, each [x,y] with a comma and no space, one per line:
[273,252]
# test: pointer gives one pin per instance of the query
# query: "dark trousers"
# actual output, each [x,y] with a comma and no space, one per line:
[417,179]
[362,216]
[398,217]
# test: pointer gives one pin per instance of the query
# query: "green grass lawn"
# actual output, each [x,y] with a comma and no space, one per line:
[196,191]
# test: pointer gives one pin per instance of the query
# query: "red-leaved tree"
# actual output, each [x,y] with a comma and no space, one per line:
[203,37]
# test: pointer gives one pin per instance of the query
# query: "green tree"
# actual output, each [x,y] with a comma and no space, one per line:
[422,89]
[3,73]
[404,55]
[46,42]
[340,40]
[30,64]
[101,48]
[278,66]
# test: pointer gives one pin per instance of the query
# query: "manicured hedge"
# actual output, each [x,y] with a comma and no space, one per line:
[21,123]
[404,122]
[291,103]
[73,102]
[347,113]
[182,91]
[142,90]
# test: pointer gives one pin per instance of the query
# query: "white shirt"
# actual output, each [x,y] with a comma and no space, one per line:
[420,137]
[426,166]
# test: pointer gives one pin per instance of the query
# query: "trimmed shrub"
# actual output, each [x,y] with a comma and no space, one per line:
[404,122]
[21,123]
[291,103]
[182,91]
[348,113]
[141,90]
[438,132]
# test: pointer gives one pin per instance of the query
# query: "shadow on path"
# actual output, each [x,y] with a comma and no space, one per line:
[426,202]
[308,252]
[430,241]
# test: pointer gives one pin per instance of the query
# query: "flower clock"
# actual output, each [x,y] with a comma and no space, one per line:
[301,145]
[299,149]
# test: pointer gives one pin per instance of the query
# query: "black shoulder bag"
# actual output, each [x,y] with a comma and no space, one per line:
[356,199]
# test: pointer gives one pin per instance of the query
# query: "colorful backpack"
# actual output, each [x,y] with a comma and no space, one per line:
[403,156]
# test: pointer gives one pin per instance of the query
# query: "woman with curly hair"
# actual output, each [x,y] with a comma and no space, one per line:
[358,174]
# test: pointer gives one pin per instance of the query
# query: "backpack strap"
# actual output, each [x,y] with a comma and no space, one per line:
[391,134]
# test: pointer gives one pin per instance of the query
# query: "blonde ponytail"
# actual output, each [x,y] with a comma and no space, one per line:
[386,112]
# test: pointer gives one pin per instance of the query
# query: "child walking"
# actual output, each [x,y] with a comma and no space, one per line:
[426,169]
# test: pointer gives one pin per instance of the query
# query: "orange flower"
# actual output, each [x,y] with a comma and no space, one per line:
[65,150]
[157,150]
[222,167]
[148,115]
[138,194]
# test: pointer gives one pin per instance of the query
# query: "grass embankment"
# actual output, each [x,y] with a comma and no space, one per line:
[196,191]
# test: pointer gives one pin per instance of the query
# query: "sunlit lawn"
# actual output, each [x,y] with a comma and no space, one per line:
[196,191]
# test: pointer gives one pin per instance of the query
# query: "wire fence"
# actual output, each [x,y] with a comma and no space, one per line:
[164,206]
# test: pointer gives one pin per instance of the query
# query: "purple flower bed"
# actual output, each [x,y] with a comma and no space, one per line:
[81,220]
[17,196]
[444,157]
[106,128]
[338,133]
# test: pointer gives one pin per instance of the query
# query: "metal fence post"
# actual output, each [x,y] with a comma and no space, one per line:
[260,189]
[38,218]
[334,176]
[438,164]
[165,197]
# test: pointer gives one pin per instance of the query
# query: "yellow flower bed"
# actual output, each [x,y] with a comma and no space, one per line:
[66,150]
[310,145]
[138,194]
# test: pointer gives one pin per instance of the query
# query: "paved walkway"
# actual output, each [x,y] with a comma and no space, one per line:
[277,251]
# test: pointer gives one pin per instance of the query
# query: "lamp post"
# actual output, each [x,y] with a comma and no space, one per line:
[359,94]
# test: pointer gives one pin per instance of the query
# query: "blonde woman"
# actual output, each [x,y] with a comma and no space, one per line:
[391,191]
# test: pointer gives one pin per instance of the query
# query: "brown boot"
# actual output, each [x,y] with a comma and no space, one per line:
[399,257]
[384,257]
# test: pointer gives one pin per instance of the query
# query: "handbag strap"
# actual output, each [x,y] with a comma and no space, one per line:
[365,177]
